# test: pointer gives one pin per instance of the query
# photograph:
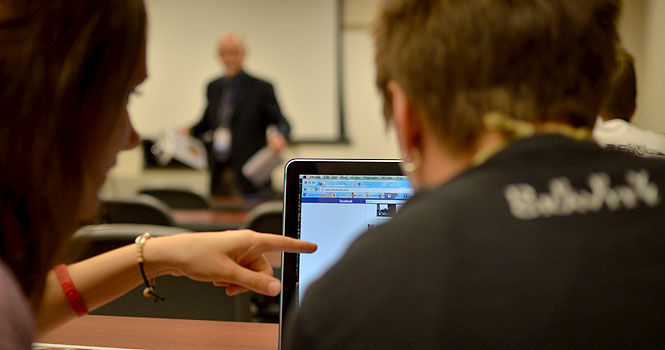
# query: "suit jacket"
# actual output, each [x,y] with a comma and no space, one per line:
[255,108]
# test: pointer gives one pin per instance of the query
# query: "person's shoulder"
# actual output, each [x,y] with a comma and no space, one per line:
[215,82]
[255,80]
[16,324]
[617,134]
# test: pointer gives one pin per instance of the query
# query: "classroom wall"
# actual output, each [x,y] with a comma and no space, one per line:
[364,123]
[641,29]
[650,64]
[290,43]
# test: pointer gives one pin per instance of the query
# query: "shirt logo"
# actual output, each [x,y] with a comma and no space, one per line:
[564,200]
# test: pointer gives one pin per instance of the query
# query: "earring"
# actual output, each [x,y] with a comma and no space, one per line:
[409,166]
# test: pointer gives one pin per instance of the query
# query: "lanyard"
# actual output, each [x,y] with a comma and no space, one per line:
[514,130]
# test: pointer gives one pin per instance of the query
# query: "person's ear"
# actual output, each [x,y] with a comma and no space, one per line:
[408,126]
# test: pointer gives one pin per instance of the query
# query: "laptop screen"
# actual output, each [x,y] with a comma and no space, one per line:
[331,202]
[336,209]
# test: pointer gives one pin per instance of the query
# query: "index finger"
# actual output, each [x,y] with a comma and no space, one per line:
[272,242]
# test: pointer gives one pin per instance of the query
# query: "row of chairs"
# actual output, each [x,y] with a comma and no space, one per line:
[150,206]
[154,207]
[185,298]
[178,198]
[124,218]
[140,209]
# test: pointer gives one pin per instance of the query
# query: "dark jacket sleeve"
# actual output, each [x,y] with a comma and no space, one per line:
[273,113]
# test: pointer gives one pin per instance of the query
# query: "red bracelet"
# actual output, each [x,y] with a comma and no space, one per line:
[71,293]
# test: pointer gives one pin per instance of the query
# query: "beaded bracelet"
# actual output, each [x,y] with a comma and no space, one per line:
[72,295]
[149,290]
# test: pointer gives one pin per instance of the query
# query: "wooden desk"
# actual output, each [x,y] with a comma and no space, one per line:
[164,334]
[209,220]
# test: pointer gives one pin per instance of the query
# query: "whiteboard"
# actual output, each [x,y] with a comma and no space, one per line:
[290,43]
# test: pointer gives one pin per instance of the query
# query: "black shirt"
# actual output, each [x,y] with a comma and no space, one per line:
[550,243]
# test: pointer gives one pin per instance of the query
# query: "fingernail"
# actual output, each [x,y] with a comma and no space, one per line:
[273,288]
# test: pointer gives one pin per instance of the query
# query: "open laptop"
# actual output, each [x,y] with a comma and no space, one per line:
[331,202]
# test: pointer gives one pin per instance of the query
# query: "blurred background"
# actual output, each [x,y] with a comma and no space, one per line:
[318,55]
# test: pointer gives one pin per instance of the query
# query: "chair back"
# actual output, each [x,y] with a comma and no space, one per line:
[185,298]
[266,217]
[93,240]
[178,198]
[140,209]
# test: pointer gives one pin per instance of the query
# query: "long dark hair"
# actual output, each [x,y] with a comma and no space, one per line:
[65,70]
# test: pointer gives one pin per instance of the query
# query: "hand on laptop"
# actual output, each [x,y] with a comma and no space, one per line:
[231,258]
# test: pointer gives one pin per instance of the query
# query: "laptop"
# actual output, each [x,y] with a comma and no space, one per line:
[331,202]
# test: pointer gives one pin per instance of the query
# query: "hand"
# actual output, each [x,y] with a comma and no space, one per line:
[276,142]
[232,258]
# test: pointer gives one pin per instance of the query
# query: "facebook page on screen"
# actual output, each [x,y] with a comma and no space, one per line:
[335,209]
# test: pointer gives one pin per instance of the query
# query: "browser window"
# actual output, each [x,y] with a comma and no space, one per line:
[336,209]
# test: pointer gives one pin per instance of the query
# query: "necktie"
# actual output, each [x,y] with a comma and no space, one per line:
[225,110]
[222,143]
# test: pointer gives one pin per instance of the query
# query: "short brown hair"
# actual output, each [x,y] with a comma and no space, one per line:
[536,60]
[65,73]
[619,102]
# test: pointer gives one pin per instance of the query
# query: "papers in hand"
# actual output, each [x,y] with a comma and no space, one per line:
[259,167]
[184,148]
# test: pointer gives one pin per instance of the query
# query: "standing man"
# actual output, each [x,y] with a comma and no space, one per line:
[235,122]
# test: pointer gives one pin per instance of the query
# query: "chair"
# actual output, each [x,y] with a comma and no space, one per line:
[93,240]
[177,198]
[140,209]
[266,217]
[185,298]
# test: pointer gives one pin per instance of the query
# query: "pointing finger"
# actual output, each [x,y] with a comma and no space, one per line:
[272,242]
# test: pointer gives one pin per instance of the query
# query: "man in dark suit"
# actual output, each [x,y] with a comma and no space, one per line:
[240,110]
